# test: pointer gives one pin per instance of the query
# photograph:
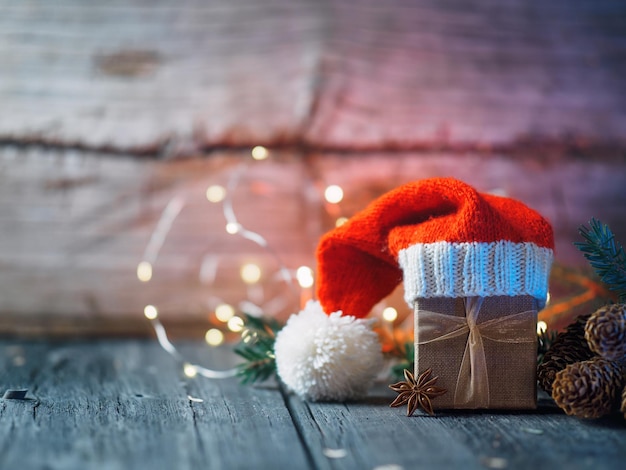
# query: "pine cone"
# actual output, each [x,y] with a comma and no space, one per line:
[568,347]
[589,389]
[606,332]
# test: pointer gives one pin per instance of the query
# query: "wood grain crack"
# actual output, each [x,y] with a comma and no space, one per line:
[298,427]
[540,148]
[194,418]
[35,406]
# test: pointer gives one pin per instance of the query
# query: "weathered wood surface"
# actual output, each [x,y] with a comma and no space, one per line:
[74,226]
[158,76]
[126,405]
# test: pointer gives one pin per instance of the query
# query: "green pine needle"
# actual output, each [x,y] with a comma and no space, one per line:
[544,342]
[257,349]
[605,255]
[407,362]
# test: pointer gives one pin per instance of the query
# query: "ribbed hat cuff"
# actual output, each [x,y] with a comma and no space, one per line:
[444,269]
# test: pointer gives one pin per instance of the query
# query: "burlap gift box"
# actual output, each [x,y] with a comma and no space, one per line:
[483,349]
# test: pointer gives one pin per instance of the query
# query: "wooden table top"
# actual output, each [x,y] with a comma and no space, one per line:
[125,404]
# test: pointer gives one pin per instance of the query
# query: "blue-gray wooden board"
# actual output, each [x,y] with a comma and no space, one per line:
[127,405]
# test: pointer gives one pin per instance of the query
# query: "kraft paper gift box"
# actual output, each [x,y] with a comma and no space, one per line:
[483,349]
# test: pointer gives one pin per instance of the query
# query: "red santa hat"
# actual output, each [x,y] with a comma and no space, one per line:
[443,239]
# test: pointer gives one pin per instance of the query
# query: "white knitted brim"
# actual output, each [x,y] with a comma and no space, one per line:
[446,269]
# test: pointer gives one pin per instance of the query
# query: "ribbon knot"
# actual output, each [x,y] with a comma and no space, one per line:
[472,385]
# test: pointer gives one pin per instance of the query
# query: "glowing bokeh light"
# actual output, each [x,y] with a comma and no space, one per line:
[250,273]
[259,153]
[333,194]
[235,324]
[542,327]
[224,312]
[150,312]
[232,228]
[390,314]
[304,275]
[215,193]
[144,271]
[214,337]
[190,370]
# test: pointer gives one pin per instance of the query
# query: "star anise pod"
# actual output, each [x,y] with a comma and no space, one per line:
[417,393]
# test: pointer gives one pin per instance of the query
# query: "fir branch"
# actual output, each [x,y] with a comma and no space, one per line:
[605,255]
[257,349]
[407,362]
[545,339]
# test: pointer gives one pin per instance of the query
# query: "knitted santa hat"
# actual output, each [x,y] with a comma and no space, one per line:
[444,239]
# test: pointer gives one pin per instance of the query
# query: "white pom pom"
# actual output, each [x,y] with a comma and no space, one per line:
[327,357]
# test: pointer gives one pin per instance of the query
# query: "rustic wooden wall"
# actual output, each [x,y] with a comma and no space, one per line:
[110,110]
[74,225]
[176,76]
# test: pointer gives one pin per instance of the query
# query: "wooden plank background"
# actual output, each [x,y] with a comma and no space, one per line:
[125,405]
[88,410]
[75,226]
[111,110]
[174,77]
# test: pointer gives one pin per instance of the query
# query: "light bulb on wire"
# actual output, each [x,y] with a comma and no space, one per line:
[232,228]
[333,194]
[390,314]
[150,312]
[224,312]
[235,324]
[215,193]
[542,327]
[144,271]
[259,153]
[304,275]
[214,337]
[250,273]
[190,370]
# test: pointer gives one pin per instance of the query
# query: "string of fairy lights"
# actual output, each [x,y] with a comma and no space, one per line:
[250,273]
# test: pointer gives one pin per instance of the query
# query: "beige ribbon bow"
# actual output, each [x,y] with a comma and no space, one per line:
[472,385]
